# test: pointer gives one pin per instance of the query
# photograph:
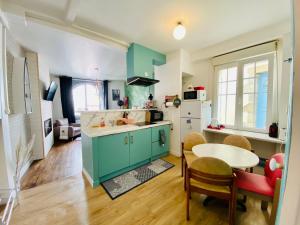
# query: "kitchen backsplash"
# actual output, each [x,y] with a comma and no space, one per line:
[88,119]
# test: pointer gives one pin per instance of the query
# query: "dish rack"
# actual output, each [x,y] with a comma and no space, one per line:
[5,218]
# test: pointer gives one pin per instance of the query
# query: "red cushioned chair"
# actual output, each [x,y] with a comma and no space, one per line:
[266,188]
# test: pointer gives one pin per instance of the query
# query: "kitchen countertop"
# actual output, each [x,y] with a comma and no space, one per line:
[115,110]
[102,131]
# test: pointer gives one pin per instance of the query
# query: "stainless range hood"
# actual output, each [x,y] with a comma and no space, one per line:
[141,81]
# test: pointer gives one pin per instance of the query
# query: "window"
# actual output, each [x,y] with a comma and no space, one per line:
[85,97]
[227,95]
[244,93]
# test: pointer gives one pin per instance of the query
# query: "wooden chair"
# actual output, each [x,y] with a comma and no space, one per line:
[187,156]
[239,141]
[265,188]
[212,177]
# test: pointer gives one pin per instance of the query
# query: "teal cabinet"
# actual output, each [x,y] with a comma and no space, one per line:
[141,62]
[157,148]
[113,153]
[140,146]
[109,156]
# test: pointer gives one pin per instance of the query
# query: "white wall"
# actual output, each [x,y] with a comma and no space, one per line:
[46,106]
[290,213]
[170,83]
[19,124]
[115,84]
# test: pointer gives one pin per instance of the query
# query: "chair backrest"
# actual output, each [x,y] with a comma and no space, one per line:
[238,141]
[211,171]
[192,139]
[277,173]
[62,122]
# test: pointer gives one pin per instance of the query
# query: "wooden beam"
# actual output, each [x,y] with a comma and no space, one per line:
[71,10]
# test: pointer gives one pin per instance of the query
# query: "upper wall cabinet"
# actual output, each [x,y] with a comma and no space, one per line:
[141,61]
[21,93]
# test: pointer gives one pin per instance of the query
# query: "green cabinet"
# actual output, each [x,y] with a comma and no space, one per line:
[158,148]
[141,62]
[140,145]
[114,153]
[108,156]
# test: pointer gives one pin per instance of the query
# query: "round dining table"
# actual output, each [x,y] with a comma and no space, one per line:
[235,157]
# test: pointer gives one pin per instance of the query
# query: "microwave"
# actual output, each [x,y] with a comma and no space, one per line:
[195,95]
[154,116]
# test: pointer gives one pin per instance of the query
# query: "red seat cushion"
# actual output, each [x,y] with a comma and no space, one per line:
[254,183]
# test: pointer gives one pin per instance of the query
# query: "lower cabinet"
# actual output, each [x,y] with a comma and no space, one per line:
[114,153]
[108,156]
[140,145]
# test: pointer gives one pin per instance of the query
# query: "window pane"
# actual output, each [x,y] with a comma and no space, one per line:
[79,99]
[249,70]
[222,109]
[92,97]
[261,110]
[230,111]
[248,110]
[223,75]
[262,82]
[262,66]
[248,86]
[231,89]
[222,88]
[232,73]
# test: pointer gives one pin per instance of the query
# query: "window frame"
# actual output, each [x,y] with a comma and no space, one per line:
[85,96]
[238,122]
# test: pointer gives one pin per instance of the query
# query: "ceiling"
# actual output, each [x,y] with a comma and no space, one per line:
[149,23]
[70,54]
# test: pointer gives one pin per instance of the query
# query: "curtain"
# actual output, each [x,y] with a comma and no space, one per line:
[105,94]
[67,98]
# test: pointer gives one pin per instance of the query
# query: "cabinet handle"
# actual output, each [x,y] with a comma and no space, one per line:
[131,139]
[126,140]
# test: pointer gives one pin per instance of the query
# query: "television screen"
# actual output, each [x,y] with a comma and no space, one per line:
[49,95]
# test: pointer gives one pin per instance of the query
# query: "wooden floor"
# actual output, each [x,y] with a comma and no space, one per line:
[63,160]
[160,201]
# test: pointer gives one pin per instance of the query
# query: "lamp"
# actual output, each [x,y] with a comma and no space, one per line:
[179,31]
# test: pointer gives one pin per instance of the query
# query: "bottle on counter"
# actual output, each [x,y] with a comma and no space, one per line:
[102,122]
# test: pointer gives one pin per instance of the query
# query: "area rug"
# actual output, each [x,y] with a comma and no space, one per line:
[119,185]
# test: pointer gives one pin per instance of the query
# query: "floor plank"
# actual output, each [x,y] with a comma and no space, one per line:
[160,201]
[63,160]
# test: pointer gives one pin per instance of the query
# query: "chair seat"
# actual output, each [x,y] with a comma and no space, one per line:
[254,183]
[210,187]
[189,157]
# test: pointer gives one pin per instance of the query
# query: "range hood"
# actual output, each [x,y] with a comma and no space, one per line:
[141,81]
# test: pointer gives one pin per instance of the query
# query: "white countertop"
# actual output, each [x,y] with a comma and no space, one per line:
[115,110]
[102,131]
[248,134]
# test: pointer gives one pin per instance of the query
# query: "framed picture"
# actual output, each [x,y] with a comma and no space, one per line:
[116,94]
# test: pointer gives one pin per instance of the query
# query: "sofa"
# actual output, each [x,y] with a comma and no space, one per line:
[74,130]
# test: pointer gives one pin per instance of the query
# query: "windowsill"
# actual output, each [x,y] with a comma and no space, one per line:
[248,134]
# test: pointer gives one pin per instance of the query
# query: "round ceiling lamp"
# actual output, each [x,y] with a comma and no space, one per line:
[179,31]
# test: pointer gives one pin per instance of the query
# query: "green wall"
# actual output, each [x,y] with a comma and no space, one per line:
[141,60]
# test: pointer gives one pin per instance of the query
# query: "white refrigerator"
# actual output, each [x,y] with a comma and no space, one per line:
[195,116]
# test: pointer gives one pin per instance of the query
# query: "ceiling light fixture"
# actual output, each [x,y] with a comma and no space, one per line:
[179,31]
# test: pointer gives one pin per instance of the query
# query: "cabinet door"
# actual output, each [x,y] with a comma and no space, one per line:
[114,153]
[140,145]
[155,132]
[157,148]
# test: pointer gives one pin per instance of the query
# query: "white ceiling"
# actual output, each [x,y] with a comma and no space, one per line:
[149,23]
[70,54]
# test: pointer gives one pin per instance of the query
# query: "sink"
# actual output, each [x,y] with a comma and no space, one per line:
[140,124]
